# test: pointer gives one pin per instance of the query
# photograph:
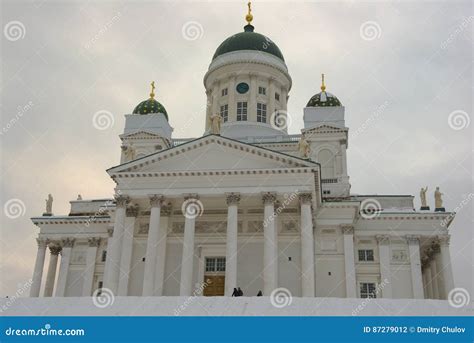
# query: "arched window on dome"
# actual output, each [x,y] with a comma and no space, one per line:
[326,159]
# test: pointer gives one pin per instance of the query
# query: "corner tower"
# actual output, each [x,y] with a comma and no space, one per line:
[247,83]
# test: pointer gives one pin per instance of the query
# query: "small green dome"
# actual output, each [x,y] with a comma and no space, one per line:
[323,99]
[150,106]
[248,40]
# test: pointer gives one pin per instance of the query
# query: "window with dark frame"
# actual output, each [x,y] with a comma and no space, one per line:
[277,96]
[262,90]
[224,92]
[367,290]
[261,113]
[225,112]
[242,111]
[366,255]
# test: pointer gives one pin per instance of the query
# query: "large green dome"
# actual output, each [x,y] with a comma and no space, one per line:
[248,40]
[150,106]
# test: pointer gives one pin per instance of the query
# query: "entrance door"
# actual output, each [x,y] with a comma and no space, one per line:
[214,277]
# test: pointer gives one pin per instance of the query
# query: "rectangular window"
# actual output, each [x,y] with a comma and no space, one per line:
[104,255]
[99,287]
[224,92]
[367,290]
[210,264]
[277,97]
[242,111]
[261,113]
[225,112]
[366,255]
[262,90]
[215,264]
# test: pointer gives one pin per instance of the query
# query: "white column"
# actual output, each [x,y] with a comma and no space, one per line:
[39,265]
[114,253]
[385,270]
[446,270]
[231,243]
[270,257]
[208,108]
[349,262]
[231,96]
[67,245]
[127,250]
[271,98]
[307,246]
[161,249]
[191,203]
[107,267]
[151,246]
[90,266]
[429,284]
[415,266]
[439,270]
[252,106]
[54,250]
[434,277]
[215,97]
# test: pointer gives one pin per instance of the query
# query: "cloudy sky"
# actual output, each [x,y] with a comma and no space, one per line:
[403,69]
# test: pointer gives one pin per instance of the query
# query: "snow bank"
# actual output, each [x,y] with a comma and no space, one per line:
[225,306]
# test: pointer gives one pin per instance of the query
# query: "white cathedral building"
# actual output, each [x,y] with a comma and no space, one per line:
[246,205]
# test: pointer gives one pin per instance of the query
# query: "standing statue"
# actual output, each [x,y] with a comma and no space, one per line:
[423,198]
[438,200]
[79,197]
[49,204]
[216,120]
[304,148]
[129,153]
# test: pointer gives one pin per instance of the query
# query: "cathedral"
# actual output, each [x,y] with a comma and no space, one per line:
[246,205]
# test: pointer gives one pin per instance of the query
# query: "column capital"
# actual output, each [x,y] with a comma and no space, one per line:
[110,231]
[156,200]
[42,242]
[232,198]
[191,196]
[93,241]
[54,249]
[347,229]
[121,200]
[413,239]
[444,240]
[166,210]
[67,242]
[435,247]
[305,198]
[383,239]
[132,211]
[269,198]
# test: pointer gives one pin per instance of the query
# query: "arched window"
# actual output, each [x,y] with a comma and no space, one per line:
[326,158]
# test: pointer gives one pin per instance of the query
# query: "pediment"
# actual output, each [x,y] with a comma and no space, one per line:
[325,128]
[209,153]
[140,134]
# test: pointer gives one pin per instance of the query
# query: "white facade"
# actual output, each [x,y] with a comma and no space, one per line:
[242,208]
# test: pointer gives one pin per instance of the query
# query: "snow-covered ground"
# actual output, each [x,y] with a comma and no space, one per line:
[225,306]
